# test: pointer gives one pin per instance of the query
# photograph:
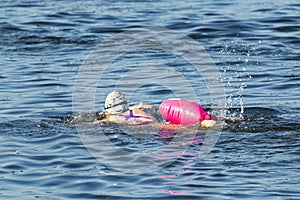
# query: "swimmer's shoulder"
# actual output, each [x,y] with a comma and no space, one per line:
[140,106]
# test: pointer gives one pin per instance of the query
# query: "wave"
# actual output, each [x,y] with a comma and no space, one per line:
[251,120]
[260,119]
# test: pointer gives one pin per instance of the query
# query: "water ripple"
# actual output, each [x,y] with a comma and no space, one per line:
[255,44]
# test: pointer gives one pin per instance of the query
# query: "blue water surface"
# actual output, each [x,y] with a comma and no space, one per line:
[255,47]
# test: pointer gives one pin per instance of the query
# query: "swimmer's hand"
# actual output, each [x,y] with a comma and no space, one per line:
[208,123]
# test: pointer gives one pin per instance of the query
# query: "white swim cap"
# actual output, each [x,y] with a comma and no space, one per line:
[115,103]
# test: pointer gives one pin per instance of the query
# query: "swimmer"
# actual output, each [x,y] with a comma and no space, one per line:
[117,111]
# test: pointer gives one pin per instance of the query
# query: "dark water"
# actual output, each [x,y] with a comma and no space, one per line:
[255,46]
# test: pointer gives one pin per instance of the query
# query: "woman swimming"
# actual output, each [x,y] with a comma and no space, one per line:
[117,110]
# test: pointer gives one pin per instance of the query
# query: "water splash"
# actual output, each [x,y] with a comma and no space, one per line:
[236,58]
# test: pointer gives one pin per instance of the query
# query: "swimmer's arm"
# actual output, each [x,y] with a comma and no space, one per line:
[174,127]
[170,127]
[167,126]
[100,117]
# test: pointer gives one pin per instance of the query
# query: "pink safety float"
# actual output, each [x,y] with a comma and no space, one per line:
[183,112]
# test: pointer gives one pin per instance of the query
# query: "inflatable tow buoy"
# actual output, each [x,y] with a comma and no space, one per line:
[185,112]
